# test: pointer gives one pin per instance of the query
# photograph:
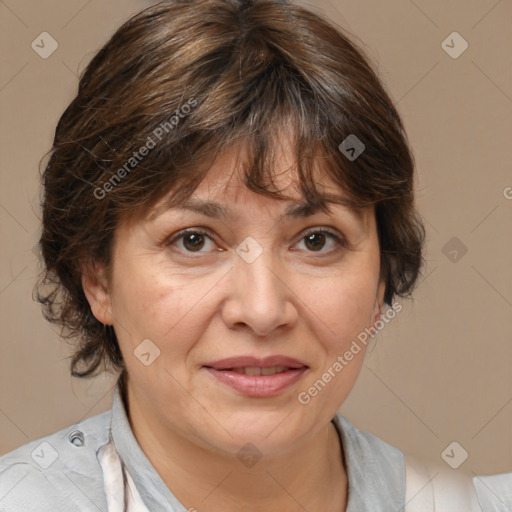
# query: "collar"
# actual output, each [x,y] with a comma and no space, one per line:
[375,470]
[152,489]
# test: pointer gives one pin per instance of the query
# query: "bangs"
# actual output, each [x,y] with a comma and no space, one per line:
[273,113]
[239,81]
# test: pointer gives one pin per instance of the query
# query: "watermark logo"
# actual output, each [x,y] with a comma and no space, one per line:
[249,455]
[44,45]
[454,455]
[44,455]
[249,250]
[352,147]
[454,249]
[454,45]
[147,352]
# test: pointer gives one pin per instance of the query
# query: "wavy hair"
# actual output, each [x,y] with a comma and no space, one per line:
[184,80]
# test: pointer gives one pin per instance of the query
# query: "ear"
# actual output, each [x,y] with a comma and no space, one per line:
[379,301]
[95,286]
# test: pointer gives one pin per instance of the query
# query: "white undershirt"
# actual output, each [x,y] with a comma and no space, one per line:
[120,491]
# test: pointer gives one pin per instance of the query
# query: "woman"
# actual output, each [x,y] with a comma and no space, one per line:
[228,208]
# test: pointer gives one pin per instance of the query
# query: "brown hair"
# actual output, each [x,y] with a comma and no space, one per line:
[184,80]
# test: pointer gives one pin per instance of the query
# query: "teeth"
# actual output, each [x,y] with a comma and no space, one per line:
[251,371]
[254,370]
[273,369]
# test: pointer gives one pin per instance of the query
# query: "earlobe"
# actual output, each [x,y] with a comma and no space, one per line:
[95,286]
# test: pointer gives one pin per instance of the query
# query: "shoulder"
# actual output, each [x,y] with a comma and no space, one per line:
[59,472]
[432,486]
[494,492]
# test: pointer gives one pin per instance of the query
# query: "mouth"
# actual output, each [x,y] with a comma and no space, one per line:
[257,377]
[255,370]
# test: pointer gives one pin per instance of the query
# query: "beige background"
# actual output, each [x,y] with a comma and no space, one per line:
[441,371]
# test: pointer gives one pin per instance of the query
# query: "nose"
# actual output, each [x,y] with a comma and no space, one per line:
[259,298]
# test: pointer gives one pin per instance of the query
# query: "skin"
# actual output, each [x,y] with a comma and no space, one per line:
[201,303]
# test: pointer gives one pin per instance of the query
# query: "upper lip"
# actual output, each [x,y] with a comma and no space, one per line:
[251,361]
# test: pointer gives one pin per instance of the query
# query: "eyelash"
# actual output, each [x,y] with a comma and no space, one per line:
[206,232]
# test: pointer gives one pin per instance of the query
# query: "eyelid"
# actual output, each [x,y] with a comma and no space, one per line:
[323,229]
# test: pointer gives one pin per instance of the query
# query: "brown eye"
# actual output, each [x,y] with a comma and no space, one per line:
[193,241]
[315,241]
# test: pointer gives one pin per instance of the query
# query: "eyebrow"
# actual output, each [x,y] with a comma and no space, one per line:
[218,211]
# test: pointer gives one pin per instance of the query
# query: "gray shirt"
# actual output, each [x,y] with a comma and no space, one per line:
[61,472]
[375,470]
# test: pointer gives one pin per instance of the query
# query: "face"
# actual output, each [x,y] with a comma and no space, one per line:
[279,293]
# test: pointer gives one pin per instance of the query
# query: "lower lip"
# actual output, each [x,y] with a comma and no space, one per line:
[258,385]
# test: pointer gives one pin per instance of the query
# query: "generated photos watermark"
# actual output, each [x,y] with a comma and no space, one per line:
[305,397]
[152,140]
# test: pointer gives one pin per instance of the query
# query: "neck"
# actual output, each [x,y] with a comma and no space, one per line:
[312,476]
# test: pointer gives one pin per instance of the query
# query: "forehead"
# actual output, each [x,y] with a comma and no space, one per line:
[222,193]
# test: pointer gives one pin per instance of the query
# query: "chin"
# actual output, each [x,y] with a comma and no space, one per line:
[270,432]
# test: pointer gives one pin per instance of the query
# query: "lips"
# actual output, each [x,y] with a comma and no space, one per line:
[255,377]
[240,362]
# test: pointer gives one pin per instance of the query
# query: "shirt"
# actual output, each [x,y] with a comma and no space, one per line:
[63,471]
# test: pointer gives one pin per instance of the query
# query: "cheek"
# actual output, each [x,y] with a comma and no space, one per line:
[345,303]
[135,300]
[344,307]
[168,308]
